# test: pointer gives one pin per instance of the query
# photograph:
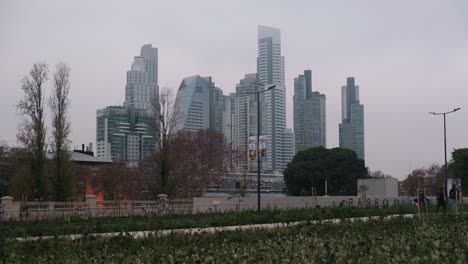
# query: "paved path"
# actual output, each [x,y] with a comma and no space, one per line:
[143,234]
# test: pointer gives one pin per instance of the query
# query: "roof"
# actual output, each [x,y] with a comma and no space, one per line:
[80,157]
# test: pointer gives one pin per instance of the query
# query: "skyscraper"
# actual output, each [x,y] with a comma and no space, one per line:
[352,115]
[288,147]
[142,79]
[309,114]
[229,112]
[128,132]
[245,121]
[200,105]
[124,133]
[270,71]
[217,104]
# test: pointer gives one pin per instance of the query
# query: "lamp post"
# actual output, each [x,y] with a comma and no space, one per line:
[257,93]
[445,145]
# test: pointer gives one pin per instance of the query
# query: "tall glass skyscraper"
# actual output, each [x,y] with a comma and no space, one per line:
[200,105]
[352,115]
[309,114]
[270,71]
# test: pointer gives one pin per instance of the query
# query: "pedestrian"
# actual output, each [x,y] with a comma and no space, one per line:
[441,199]
[453,194]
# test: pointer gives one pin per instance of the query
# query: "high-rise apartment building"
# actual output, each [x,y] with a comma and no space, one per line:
[124,133]
[352,114]
[288,147]
[245,121]
[217,105]
[129,132]
[309,114]
[270,71]
[200,105]
[229,112]
[142,79]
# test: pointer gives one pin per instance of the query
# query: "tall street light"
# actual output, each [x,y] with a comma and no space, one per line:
[258,141]
[445,145]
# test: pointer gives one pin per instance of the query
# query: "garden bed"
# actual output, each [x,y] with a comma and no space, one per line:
[442,239]
[66,226]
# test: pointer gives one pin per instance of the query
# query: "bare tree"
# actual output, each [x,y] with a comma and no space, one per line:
[430,178]
[59,104]
[117,182]
[156,169]
[4,149]
[198,160]
[5,167]
[378,174]
[19,173]
[32,129]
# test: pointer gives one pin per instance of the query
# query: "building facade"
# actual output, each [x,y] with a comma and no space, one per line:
[288,147]
[142,79]
[309,114]
[351,128]
[124,133]
[200,105]
[245,121]
[229,113]
[217,108]
[128,133]
[270,71]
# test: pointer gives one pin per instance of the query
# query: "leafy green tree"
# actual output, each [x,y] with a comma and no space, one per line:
[460,167]
[312,167]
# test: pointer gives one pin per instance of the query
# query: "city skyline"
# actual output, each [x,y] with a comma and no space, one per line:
[419,61]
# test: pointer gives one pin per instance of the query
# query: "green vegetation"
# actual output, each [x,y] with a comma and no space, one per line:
[159,222]
[312,167]
[443,239]
[460,167]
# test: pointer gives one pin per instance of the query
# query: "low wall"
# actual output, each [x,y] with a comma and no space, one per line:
[221,204]
[27,211]
[24,211]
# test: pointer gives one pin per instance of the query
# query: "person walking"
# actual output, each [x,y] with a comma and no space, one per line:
[453,193]
[441,199]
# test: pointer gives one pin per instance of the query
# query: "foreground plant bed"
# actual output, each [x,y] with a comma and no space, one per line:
[158,222]
[441,240]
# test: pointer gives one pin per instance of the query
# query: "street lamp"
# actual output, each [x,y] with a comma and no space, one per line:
[258,141]
[445,145]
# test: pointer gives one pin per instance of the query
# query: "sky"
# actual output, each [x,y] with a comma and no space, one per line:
[408,57]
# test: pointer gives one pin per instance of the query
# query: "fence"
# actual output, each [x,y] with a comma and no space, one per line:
[43,210]
[24,211]
[222,204]
[130,208]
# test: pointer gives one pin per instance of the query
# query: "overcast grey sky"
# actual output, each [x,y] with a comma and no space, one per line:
[408,57]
